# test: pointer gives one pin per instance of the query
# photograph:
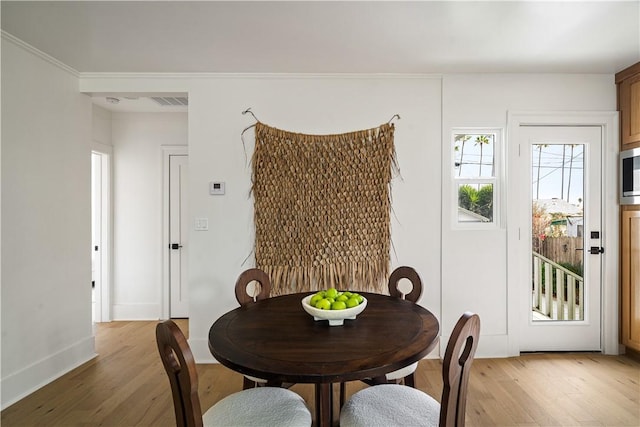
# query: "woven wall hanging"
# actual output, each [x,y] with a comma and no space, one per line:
[322,208]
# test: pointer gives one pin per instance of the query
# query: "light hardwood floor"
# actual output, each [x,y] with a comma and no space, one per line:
[127,386]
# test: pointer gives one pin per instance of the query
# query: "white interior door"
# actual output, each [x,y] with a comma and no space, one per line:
[563,280]
[178,236]
[96,234]
[101,244]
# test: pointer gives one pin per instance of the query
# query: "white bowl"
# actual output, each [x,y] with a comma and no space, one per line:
[335,317]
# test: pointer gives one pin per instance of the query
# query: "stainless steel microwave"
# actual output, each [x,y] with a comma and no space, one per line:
[630,177]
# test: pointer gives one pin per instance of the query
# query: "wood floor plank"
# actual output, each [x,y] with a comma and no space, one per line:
[126,386]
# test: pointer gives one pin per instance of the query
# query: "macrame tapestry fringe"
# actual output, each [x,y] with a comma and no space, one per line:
[322,208]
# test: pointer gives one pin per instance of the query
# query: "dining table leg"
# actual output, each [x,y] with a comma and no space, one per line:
[324,406]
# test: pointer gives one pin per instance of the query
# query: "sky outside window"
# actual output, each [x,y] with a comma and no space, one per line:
[474,155]
[560,170]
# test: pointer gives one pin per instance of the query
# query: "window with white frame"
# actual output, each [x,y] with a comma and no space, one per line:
[475,176]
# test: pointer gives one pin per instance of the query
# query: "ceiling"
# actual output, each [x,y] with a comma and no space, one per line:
[331,36]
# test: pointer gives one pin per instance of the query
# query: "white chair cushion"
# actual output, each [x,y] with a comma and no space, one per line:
[390,405]
[401,373]
[256,379]
[263,406]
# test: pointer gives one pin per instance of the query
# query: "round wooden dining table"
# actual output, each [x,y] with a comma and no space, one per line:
[277,340]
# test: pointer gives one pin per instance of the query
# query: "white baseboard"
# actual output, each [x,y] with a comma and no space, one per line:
[20,384]
[136,311]
[435,353]
[489,346]
[200,350]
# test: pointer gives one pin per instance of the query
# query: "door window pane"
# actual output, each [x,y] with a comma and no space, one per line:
[557,172]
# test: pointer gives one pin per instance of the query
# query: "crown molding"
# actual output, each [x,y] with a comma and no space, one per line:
[37,52]
[189,76]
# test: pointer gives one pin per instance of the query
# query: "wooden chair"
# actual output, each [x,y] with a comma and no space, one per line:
[248,276]
[404,375]
[257,407]
[244,299]
[392,404]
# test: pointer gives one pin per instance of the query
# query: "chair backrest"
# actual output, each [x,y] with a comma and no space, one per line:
[456,368]
[248,276]
[405,273]
[180,365]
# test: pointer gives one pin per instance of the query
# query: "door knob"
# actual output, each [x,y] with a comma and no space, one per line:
[175,246]
[595,250]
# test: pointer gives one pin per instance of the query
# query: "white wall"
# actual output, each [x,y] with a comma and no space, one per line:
[310,105]
[101,127]
[474,263]
[46,261]
[462,270]
[137,140]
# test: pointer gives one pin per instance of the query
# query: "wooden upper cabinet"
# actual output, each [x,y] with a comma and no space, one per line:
[628,81]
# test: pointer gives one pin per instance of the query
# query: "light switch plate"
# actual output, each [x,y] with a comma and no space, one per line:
[202,224]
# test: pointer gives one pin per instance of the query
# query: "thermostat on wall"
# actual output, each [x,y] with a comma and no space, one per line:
[216,188]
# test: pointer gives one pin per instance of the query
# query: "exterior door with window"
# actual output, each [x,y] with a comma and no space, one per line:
[564,230]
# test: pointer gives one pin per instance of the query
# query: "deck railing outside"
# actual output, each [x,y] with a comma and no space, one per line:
[558,293]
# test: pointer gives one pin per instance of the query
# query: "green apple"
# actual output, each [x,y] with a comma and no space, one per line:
[338,305]
[331,293]
[314,300]
[352,302]
[324,304]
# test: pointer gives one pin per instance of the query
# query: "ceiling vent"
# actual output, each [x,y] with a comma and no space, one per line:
[170,101]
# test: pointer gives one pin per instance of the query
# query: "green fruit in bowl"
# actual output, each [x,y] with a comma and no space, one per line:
[324,304]
[338,305]
[314,299]
[352,302]
[335,310]
[331,293]
[332,299]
